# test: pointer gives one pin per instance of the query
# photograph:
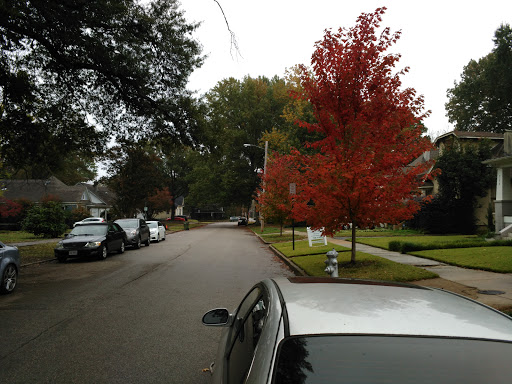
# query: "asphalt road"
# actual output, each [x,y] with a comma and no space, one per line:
[134,317]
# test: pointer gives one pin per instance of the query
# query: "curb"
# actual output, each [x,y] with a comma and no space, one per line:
[294,267]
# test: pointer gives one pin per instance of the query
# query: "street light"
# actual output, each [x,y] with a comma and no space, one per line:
[264,173]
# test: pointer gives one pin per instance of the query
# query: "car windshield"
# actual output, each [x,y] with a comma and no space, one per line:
[128,223]
[152,224]
[384,359]
[89,230]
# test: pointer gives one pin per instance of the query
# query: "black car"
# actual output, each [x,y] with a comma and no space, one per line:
[95,240]
[137,231]
[242,220]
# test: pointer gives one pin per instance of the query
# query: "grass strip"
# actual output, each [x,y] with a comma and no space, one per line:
[366,267]
[494,259]
[18,236]
[35,253]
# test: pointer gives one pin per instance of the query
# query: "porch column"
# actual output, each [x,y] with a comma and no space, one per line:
[503,204]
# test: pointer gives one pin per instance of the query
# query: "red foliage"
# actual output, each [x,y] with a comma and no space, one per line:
[274,199]
[161,200]
[371,132]
[9,208]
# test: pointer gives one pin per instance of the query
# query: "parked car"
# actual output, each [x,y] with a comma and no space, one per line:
[156,230]
[333,330]
[9,267]
[137,232]
[234,218]
[178,218]
[91,240]
[242,220]
[90,220]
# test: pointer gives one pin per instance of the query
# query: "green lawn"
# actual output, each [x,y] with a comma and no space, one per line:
[383,242]
[302,248]
[366,267]
[311,260]
[378,232]
[496,259]
[17,236]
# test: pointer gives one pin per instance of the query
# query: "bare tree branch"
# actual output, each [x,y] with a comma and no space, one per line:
[234,43]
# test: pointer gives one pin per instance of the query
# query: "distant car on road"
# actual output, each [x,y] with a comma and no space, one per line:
[156,230]
[91,240]
[9,267]
[234,218]
[242,220]
[137,232]
[329,330]
[178,218]
[90,220]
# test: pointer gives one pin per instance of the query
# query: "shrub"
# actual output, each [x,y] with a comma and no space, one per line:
[395,246]
[47,219]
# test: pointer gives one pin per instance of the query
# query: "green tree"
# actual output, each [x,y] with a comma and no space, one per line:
[135,173]
[462,181]
[482,100]
[68,67]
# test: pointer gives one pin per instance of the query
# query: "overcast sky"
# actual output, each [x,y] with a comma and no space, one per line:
[438,39]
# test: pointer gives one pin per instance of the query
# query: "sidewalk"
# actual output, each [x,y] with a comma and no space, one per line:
[494,289]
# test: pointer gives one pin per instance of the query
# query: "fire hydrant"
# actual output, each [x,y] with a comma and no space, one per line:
[332,263]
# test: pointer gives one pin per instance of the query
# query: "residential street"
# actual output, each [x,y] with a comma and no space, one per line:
[134,317]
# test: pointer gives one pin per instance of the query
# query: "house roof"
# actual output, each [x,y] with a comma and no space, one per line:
[470,135]
[36,189]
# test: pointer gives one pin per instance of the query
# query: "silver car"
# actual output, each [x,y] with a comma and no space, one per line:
[9,267]
[329,330]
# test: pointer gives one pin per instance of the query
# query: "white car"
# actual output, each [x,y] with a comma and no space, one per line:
[90,220]
[329,330]
[156,230]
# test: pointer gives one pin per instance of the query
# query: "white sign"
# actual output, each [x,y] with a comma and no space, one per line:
[316,237]
[293,188]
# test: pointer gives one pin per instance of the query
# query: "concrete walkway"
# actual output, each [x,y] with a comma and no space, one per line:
[486,283]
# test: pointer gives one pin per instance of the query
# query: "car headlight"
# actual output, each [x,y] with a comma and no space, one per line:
[92,244]
[133,232]
[60,245]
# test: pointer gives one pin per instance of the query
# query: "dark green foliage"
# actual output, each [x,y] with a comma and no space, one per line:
[482,100]
[462,181]
[47,219]
[69,66]
[395,246]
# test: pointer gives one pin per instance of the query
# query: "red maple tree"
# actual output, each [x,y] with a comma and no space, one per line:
[274,199]
[371,128]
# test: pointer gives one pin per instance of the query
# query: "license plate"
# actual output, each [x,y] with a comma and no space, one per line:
[73,253]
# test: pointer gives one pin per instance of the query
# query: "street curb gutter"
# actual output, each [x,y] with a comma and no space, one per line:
[294,267]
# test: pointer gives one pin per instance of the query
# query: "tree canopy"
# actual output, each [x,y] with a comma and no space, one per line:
[482,99]
[369,132]
[74,74]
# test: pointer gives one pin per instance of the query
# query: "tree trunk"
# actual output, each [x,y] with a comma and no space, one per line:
[353,253]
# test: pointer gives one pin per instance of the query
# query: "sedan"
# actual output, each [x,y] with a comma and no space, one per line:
[91,240]
[137,232]
[331,330]
[156,230]
[9,267]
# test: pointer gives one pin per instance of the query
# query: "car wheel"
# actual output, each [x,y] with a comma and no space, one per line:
[148,241]
[158,238]
[104,252]
[163,238]
[138,244]
[9,279]
[62,259]
[121,250]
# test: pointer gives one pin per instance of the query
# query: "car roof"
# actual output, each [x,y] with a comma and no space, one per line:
[92,223]
[350,306]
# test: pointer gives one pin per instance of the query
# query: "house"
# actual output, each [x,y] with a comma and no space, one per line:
[96,199]
[462,138]
[502,161]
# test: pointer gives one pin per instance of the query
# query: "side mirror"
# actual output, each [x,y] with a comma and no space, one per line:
[216,317]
